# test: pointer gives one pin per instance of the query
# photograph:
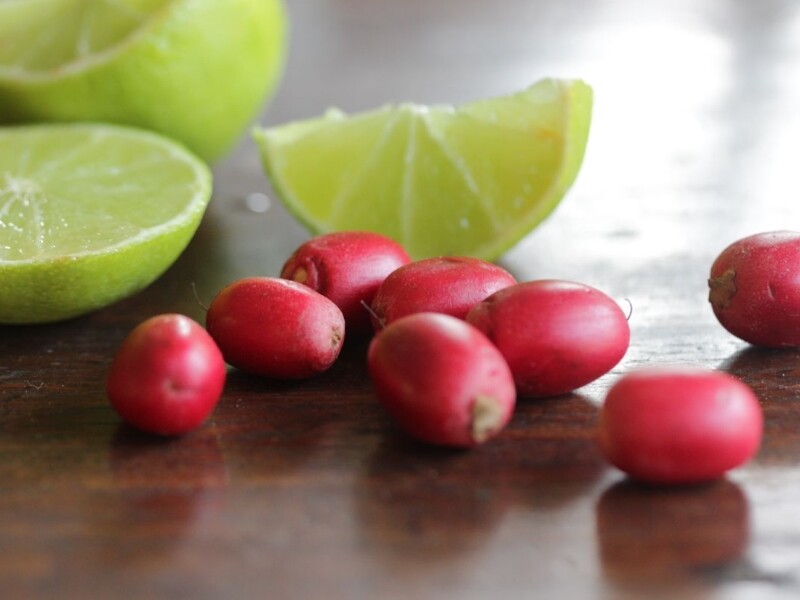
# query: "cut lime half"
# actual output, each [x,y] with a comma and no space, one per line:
[470,180]
[90,214]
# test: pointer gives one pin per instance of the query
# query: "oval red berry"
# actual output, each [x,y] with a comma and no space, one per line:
[441,380]
[679,425]
[754,289]
[447,284]
[275,327]
[347,267]
[555,335]
[167,376]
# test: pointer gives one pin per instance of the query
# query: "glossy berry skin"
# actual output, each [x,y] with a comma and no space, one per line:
[167,376]
[679,425]
[754,289]
[441,380]
[276,328]
[347,267]
[448,284]
[555,335]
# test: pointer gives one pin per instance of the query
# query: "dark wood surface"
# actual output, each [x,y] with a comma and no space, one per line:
[305,490]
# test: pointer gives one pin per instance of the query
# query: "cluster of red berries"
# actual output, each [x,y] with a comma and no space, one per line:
[455,341]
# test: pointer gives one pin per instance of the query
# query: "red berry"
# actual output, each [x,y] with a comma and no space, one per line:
[679,425]
[441,380]
[755,289]
[167,376]
[347,267]
[448,284]
[555,335]
[275,327]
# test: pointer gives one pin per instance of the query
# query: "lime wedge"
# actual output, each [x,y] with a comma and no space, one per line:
[440,180]
[90,214]
[195,70]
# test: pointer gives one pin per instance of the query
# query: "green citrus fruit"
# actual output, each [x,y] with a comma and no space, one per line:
[471,180]
[195,70]
[90,214]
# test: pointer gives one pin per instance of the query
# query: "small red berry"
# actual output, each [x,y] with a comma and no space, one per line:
[441,380]
[556,335]
[447,284]
[276,327]
[675,425]
[167,376]
[755,289]
[347,267]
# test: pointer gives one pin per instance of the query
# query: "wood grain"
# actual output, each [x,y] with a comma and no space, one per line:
[305,489]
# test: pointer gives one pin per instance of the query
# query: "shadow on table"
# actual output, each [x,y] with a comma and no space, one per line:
[772,373]
[162,490]
[273,428]
[420,507]
[552,452]
[683,535]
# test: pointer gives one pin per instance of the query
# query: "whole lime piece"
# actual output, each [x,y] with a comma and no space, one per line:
[195,70]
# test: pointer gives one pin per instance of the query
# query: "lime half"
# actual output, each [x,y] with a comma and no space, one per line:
[195,70]
[90,214]
[471,180]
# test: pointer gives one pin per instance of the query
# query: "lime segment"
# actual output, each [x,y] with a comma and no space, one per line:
[470,180]
[90,214]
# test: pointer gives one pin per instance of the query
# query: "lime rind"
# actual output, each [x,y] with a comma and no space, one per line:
[471,180]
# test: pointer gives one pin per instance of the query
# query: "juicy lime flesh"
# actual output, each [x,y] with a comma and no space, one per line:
[43,35]
[89,215]
[440,180]
[81,191]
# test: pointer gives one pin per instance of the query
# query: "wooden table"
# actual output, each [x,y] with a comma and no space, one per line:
[306,490]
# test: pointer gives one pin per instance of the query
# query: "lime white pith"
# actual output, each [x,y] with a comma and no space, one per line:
[470,180]
[90,214]
[196,70]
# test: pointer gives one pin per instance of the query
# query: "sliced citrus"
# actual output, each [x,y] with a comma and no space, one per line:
[90,214]
[440,180]
[196,70]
